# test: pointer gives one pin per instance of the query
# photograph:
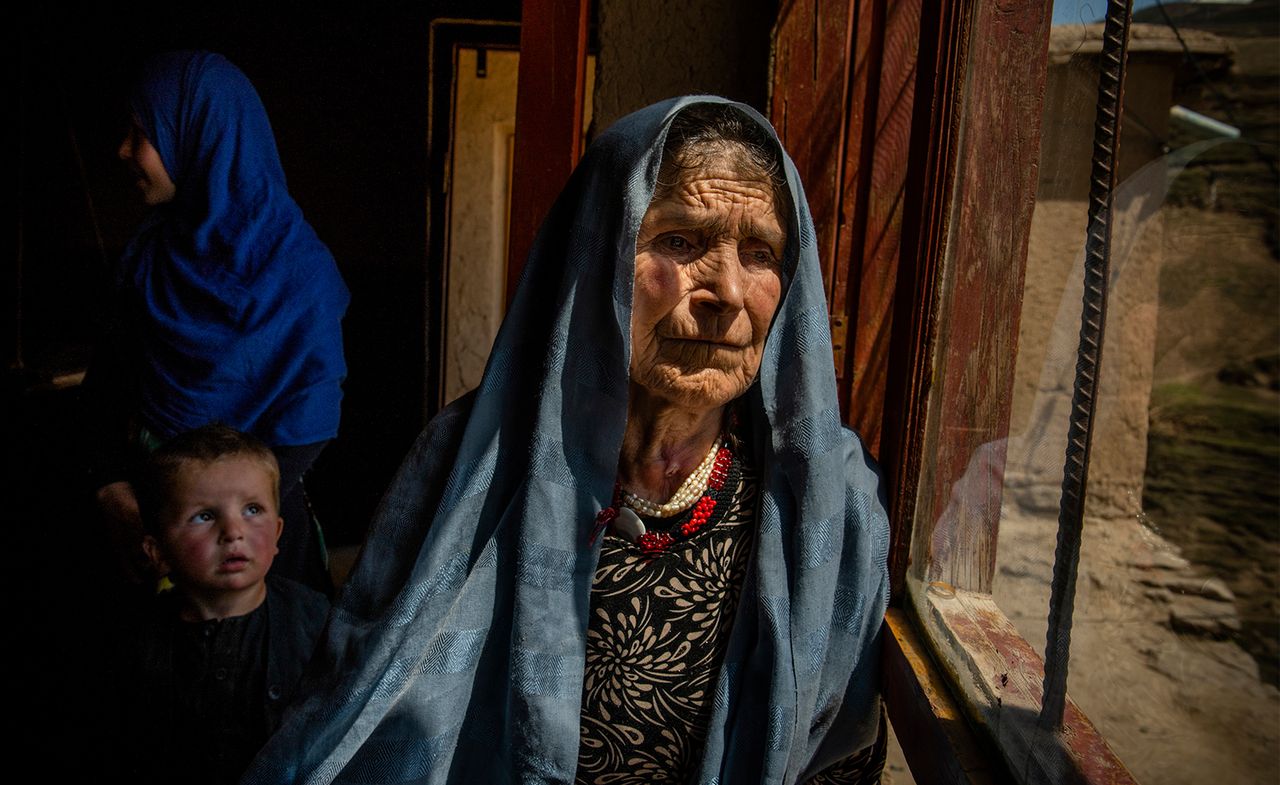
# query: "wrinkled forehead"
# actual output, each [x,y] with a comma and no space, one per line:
[685,172]
[720,196]
[722,159]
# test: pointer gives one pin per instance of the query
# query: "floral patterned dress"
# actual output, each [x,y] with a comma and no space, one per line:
[657,635]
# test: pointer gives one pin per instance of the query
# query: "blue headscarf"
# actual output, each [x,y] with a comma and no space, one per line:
[456,652]
[240,303]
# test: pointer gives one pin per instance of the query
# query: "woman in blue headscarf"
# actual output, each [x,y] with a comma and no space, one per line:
[232,305]
[645,549]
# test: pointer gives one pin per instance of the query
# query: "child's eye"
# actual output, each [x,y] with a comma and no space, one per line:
[253,508]
[204,516]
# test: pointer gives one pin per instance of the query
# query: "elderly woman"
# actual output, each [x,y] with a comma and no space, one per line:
[645,548]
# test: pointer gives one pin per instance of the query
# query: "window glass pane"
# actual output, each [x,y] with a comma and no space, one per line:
[1177,619]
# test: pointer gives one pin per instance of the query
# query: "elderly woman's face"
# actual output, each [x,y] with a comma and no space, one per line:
[708,279]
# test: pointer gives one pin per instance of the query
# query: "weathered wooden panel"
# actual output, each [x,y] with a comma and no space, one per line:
[808,107]
[843,86]
[857,150]
[984,256]
[875,230]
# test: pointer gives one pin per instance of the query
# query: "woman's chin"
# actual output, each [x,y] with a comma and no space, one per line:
[706,389]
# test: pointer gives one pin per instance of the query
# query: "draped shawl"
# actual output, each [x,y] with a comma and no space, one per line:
[240,303]
[456,652]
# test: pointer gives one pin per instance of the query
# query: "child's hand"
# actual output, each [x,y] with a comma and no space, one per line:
[119,505]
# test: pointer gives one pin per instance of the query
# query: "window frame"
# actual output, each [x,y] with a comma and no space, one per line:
[961,685]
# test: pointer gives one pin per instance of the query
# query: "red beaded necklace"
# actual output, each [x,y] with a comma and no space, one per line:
[655,543]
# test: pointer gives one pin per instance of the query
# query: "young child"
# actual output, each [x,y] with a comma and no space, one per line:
[216,660]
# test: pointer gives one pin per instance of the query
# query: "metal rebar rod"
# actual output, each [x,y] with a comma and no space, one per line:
[1097,262]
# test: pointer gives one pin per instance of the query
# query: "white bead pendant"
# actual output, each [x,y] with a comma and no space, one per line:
[628,524]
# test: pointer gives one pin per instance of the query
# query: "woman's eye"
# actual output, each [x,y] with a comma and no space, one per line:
[676,244]
[759,256]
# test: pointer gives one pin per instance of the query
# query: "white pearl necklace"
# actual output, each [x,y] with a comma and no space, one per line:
[689,491]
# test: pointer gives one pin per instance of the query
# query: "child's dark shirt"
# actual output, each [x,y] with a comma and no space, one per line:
[201,698]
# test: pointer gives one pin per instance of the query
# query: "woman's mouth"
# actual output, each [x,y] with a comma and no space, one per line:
[717,343]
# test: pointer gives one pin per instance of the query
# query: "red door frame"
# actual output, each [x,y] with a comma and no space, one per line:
[549,95]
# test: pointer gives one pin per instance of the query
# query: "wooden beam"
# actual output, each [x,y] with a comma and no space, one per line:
[953,396]
[549,100]
[930,725]
[984,258]
[930,176]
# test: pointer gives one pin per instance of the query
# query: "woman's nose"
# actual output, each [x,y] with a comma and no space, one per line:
[721,291]
[125,151]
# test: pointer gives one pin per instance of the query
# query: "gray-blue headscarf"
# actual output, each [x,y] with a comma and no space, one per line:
[456,652]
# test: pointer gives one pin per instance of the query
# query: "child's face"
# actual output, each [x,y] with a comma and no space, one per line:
[219,529]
